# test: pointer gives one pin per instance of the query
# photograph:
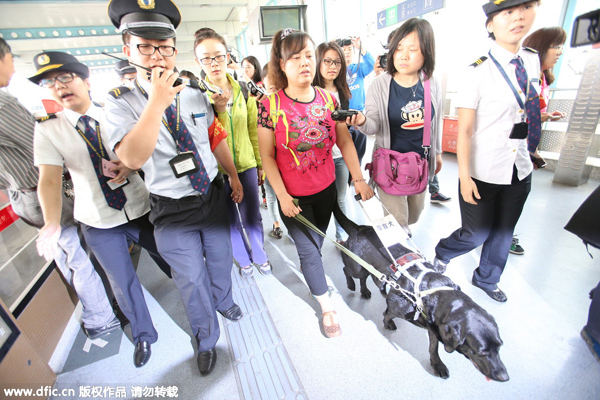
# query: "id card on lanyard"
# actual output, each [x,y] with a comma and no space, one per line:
[520,129]
[106,166]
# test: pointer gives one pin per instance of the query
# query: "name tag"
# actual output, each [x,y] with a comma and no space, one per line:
[184,164]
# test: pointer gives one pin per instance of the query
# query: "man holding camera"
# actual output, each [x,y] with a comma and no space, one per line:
[355,75]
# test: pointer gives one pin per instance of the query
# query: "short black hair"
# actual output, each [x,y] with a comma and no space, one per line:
[4,49]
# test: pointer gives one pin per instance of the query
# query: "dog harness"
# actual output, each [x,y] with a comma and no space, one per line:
[400,268]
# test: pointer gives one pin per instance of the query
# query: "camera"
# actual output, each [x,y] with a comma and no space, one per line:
[207,86]
[586,29]
[232,58]
[344,42]
[254,89]
[341,115]
[383,60]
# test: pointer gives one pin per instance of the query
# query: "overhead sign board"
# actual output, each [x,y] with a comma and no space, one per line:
[405,10]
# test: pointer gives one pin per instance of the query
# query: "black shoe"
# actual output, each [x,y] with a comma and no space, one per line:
[207,361]
[439,198]
[515,247]
[234,313]
[497,294]
[94,333]
[276,233]
[142,353]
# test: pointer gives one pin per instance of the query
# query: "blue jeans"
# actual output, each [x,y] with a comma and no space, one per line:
[434,185]
[593,322]
[71,260]
[271,201]
[342,175]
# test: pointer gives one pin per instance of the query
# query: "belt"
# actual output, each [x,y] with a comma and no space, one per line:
[218,181]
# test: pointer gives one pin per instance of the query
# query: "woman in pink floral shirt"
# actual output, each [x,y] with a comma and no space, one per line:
[297,159]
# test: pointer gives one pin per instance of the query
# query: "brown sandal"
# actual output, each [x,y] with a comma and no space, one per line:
[332,330]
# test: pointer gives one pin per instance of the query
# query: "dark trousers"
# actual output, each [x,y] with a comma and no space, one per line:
[593,323]
[318,209]
[491,222]
[192,234]
[112,251]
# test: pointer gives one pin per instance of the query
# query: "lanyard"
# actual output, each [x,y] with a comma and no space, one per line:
[90,145]
[519,100]
[231,125]
[164,121]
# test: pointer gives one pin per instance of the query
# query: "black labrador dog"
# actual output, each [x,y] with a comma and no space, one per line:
[451,316]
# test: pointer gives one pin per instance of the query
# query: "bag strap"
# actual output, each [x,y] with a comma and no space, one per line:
[274,102]
[427,127]
[327,97]
[244,89]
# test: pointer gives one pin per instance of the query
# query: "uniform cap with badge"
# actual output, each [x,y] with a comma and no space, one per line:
[498,5]
[149,19]
[50,61]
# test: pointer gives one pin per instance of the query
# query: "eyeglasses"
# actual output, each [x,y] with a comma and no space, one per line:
[64,78]
[147,50]
[329,61]
[559,48]
[209,60]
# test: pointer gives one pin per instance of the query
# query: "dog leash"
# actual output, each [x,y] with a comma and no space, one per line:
[418,295]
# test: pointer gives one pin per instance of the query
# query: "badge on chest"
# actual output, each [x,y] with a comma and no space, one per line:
[184,164]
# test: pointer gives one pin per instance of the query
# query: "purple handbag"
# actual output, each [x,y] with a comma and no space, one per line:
[404,174]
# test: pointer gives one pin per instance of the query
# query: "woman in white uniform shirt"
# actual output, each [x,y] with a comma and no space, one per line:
[494,169]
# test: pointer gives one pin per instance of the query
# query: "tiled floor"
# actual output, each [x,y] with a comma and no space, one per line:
[545,357]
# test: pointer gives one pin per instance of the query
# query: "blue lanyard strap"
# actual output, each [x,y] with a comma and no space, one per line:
[519,100]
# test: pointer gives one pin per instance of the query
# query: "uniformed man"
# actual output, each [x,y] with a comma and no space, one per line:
[111,201]
[19,177]
[126,72]
[165,130]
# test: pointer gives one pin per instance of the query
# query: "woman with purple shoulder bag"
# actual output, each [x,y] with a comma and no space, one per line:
[404,111]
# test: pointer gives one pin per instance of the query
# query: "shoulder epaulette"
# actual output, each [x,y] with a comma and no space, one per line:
[195,85]
[46,118]
[479,61]
[118,91]
[530,49]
